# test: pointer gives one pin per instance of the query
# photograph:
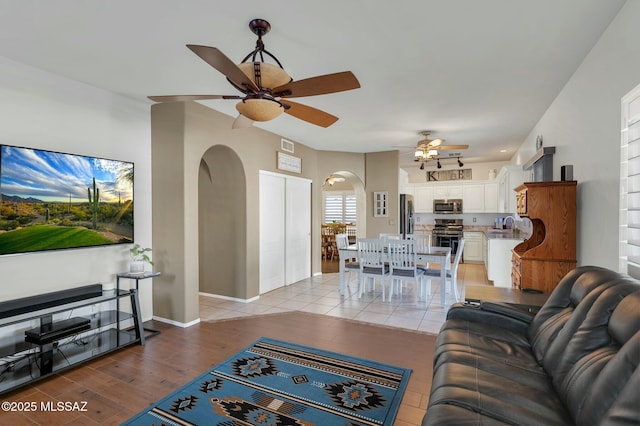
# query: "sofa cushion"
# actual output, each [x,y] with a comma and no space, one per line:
[576,362]
[571,299]
[597,385]
[505,393]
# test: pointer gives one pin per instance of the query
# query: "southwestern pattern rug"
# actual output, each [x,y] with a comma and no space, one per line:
[273,383]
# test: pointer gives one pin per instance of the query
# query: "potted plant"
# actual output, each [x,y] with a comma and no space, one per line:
[139,257]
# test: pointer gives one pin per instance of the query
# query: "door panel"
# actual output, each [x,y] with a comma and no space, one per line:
[272,231]
[298,230]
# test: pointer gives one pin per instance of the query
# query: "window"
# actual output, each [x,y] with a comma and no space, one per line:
[339,206]
[630,185]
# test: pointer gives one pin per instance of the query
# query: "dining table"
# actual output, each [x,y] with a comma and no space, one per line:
[431,254]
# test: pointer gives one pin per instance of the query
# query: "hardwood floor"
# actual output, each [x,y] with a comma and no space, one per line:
[119,385]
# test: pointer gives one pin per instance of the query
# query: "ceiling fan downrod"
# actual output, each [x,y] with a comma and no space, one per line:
[260,27]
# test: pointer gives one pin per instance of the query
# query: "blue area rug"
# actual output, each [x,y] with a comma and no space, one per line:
[277,383]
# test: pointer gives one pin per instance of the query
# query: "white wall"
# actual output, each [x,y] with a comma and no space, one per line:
[42,110]
[583,123]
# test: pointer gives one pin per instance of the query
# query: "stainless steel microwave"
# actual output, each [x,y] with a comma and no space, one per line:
[447,206]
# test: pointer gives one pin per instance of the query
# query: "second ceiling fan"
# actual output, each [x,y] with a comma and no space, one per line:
[266,88]
[429,148]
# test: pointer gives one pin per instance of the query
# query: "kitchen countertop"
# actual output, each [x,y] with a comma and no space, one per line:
[506,234]
[489,232]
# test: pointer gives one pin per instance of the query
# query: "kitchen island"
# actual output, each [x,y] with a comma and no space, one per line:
[500,243]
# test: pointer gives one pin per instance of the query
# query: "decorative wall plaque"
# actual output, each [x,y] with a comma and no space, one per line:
[380,204]
[443,175]
[289,163]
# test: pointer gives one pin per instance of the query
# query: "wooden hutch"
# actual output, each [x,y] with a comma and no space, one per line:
[549,254]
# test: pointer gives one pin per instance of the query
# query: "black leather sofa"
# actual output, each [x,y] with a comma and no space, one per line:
[575,362]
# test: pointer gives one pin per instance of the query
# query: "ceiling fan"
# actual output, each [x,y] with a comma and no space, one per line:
[428,149]
[333,179]
[266,87]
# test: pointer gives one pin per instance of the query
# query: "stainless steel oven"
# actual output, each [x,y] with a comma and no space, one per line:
[447,233]
[447,206]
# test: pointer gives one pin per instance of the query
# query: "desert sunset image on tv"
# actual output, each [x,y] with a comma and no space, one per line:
[51,200]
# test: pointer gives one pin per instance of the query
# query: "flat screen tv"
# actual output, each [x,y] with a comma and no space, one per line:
[51,201]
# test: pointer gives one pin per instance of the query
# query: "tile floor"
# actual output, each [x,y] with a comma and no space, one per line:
[320,295]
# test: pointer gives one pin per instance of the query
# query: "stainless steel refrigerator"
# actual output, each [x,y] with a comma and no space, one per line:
[406,215]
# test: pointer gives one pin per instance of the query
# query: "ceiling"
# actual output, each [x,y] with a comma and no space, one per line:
[476,72]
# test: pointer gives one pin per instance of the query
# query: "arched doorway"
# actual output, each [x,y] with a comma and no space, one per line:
[222,218]
[346,214]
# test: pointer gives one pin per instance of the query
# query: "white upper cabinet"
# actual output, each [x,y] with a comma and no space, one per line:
[477,196]
[423,199]
[447,192]
[508,178]
[491,197]
[473,198]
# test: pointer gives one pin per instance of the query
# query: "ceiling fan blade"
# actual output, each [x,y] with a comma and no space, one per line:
[242,122]
[184,98]
[321,85]
[444,147]
[222,63]
[309,114]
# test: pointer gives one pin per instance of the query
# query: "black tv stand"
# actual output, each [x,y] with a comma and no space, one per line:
[45,334]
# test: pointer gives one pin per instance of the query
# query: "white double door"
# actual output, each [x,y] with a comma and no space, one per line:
[285,230]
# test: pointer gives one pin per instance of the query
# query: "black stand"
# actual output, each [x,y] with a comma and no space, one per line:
[137,276]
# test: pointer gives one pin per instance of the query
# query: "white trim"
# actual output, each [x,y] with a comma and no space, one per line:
[282,175]
[233,299]
[177,323]
[630,115]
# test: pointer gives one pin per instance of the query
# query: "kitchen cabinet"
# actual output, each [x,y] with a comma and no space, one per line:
[473,198]
[423,199]
[508,179]
[499,260]
[447,192]
[476,196]
[472,247]
[491,197]
[484,250]
[549,253]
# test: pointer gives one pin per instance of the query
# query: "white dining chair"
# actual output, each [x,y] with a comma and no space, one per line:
[389,236]
[350,264]
[403,266]
[452,273]
[372,265]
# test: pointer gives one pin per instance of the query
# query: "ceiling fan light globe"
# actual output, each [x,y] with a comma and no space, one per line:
[270,75]
[259,109]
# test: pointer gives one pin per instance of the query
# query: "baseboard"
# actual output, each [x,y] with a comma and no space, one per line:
[177,323]
[233,299]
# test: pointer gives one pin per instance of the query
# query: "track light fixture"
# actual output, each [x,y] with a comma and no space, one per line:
[438,163]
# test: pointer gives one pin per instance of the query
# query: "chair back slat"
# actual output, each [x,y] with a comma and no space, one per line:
[342,241]
[402,257]
[370,253]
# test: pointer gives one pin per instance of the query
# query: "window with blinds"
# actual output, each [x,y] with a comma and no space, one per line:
[630,185]
[339,207]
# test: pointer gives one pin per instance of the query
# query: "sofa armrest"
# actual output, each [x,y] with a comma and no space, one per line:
[507,309]
[496,314]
